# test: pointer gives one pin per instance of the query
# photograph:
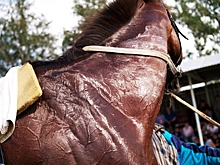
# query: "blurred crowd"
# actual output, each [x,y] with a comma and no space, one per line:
[187,131]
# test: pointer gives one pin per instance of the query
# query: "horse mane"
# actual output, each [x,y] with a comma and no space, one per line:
[103,25]
[107,22]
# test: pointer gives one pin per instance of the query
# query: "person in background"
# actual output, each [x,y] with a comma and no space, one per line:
[213,141]
[178,133]
[161,119]
[188,132]
[211,128]
[195,140]
[216,106]
[205,108]
[170,118]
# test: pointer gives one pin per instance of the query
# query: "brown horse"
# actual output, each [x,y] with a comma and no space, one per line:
[100,108]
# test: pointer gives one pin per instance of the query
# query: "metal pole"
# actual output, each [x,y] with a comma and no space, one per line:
[207,94]
[196,115]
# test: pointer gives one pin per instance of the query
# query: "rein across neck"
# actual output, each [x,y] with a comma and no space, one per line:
[153,53]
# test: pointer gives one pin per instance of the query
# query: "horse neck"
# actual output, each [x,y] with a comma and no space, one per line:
[127,89]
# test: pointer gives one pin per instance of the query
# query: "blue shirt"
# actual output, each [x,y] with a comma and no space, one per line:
[191,154]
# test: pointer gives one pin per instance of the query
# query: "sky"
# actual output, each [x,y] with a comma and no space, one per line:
[57,11]
[60,13]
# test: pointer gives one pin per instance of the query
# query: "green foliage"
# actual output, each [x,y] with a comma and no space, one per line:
[68,39]
[85,10]
[23,37]
[202,17]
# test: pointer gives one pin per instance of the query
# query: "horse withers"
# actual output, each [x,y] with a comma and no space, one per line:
[96,107]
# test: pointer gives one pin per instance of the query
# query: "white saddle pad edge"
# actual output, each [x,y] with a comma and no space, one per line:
[8,103]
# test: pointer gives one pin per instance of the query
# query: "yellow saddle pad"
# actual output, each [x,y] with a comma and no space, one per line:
[29,89]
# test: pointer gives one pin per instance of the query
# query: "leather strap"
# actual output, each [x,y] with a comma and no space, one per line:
[153,53]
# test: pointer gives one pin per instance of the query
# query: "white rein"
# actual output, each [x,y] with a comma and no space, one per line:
[131,51]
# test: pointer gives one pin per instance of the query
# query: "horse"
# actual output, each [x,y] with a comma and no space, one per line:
[100,107]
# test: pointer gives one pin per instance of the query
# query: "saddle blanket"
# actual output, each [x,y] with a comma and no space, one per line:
[18,90]
[168,149]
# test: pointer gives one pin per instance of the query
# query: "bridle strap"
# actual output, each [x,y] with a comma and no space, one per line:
[153,53]
[177,32]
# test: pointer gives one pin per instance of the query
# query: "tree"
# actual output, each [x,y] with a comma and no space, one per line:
[85,10]
[202,17]
[23,37]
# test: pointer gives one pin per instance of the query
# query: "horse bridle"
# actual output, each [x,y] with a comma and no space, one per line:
[175,28]
[177,32]
[153,53]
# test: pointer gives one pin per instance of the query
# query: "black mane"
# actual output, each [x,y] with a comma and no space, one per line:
[105,23]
